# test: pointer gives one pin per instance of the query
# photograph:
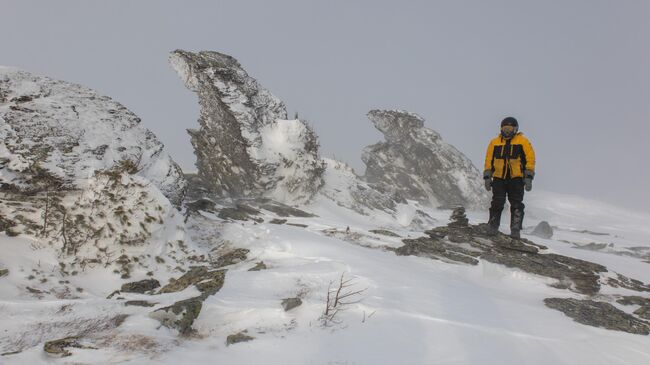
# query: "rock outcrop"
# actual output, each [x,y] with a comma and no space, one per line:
[245,146]
[462,242]
[58,134]
[599,314]
[79,172]
[416,162]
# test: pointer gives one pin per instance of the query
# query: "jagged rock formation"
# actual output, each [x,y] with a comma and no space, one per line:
[245,146]
[419,164]
[55,133]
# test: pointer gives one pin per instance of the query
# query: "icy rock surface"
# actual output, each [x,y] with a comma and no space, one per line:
[246,146]
[67,132]
[419,164]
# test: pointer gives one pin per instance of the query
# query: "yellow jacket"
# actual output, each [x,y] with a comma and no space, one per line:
[508,158]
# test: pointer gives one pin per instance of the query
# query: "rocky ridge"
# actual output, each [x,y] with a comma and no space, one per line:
[246,148]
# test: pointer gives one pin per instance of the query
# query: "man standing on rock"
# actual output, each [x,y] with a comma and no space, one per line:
[509,168]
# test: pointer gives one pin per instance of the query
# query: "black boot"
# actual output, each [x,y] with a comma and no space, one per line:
[515,233]
[493,223]
[516,221]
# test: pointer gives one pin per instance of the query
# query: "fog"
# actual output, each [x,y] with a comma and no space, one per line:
[574,73]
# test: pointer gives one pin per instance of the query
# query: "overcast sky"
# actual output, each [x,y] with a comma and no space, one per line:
[575,73]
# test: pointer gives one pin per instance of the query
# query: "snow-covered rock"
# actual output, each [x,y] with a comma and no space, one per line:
[58,132]
[245,145]
[80,174]
[416,162]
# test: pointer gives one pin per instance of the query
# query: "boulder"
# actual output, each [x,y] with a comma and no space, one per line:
[543,230]
[71,132]
[290,303]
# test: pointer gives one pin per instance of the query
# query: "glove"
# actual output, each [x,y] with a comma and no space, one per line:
[528,179]
[487,178]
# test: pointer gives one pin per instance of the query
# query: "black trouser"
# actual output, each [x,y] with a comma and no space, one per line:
[514,189]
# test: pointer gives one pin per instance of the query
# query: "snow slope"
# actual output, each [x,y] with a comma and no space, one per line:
[413,310]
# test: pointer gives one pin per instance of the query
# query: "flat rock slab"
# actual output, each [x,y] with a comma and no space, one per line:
[598,314]
[465,243]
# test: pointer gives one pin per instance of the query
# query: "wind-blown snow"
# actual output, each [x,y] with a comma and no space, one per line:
[413,311]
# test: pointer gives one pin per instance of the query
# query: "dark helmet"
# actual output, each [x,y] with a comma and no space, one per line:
[509,122]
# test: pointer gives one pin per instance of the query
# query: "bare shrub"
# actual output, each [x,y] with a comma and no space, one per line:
[338,299]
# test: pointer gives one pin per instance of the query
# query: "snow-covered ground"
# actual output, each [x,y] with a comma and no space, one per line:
[412,310]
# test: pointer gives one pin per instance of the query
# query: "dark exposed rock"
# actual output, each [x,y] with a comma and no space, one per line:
[543,230]
[240,212]
[384,232]
[59,347]
[140,286]
[628,283]
[201,204]
[139,303]
[290,303]
[419,165]
[259,266]
[6,224]
[205,280]
[234,157]
[180,315]
[634,300]
[297,225]
[278,221]
[4,272]
[437,249]
[232,257]
[598,314]
[238,337]
[643,312]
[280,209]
[462,243]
